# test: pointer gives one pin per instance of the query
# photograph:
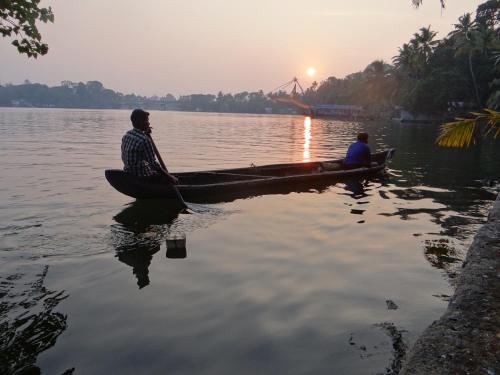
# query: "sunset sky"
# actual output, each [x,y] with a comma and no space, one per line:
[199,46]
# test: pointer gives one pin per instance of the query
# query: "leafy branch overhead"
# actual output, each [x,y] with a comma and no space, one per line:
[18,19]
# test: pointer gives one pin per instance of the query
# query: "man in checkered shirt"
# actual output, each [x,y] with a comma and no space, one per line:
[138,154]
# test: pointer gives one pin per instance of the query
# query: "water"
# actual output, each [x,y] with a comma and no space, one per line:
[292,283]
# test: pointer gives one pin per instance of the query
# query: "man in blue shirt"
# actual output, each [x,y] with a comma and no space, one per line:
[358,154]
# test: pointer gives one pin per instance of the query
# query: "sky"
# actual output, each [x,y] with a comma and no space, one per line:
[155,47]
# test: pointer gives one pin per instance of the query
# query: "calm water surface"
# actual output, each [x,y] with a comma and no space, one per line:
[295,283]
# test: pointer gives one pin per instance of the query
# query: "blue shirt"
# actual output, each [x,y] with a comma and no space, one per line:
[358,153]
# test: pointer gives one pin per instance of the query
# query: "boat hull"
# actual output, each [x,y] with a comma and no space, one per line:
[229,184]
[134,187]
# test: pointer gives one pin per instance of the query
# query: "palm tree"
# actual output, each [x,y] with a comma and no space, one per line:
[494,99]
[404,58]
[461,132]
[425,42]
[467,40]
[377,78]
[376,69]
[415,55]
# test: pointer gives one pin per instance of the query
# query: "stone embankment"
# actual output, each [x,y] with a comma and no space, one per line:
[466,339]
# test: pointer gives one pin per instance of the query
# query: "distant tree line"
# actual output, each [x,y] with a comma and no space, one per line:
[428,74]
[93,94]
[243,102]
[77,95]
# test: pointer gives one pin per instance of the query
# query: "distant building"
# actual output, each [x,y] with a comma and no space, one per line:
[460,106]
[20,103]
[405,116]
[336,110]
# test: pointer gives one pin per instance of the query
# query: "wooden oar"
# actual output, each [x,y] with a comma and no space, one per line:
[157,153]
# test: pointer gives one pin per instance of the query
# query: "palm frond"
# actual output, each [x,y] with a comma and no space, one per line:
[460,133]
[493,122]
[457,133]
[493,115]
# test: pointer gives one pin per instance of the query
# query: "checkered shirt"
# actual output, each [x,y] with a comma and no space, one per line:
[138,155]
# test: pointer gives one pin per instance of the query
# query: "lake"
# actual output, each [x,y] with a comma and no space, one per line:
[337,280]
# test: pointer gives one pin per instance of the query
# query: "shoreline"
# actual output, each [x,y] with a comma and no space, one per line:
[466,339]
[365,117]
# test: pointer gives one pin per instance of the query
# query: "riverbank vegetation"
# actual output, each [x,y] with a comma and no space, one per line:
[429,76]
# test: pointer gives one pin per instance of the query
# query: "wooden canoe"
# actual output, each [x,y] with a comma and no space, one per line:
[229,184]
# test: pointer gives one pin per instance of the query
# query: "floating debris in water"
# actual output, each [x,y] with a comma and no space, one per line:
[351,340]
[391,305]
[443,297]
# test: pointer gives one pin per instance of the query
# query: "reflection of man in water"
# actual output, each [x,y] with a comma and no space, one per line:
[356,187]
[139,258]
[358,154]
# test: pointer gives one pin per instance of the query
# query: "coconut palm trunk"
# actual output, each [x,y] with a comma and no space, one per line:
[474,82]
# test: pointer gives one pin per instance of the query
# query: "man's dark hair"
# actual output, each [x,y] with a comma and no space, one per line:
[363,137]
[137,116]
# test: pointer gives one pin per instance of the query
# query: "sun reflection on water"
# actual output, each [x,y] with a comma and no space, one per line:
[307,138]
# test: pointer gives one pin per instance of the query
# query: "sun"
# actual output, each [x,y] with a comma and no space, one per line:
[311,72]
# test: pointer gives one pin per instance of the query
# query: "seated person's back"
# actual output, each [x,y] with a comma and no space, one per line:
[138,151]
[359,153]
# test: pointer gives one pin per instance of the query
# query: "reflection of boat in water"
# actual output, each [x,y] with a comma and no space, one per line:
[140,234]
[220,185]
[143,213]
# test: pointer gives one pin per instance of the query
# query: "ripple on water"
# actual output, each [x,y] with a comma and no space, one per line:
[29,325]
